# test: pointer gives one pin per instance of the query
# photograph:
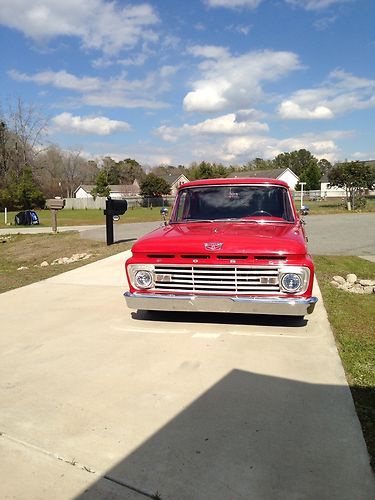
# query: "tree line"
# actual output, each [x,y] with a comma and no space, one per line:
[30,172]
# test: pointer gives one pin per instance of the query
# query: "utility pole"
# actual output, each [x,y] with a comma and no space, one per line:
[302,184]
[2,146]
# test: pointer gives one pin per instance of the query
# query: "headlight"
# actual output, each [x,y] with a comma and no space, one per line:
[143,279]
[141,276]
[294,279]
[291,282]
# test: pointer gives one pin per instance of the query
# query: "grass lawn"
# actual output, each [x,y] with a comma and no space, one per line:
[333,206]
[68,217]
[31,250]
[352,318]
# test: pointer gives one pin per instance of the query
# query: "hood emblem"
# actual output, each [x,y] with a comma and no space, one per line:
[213,245]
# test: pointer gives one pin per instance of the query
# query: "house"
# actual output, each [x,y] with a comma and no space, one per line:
[175,181]
[116,190]
[328,191]
[282,174]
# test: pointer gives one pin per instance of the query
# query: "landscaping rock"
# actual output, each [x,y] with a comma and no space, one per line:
[335,284]
[367,282]
[70,260]
[351,278]
[353,285]
[44,264]
[22,268]
[346,286]
[338,279]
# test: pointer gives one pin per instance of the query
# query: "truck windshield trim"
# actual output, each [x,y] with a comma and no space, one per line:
[245,203]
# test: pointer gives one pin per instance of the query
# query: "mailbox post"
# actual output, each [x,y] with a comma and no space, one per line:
[113,208]
[54,205]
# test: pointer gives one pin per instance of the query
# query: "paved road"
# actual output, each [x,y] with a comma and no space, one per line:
[349,234]
[97,399]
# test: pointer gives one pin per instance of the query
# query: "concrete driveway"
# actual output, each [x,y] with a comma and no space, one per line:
[101,402]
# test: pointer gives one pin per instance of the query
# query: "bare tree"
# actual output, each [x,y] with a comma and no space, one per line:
[23,129]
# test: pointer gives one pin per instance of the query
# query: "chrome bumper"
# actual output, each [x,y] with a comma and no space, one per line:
[204,303]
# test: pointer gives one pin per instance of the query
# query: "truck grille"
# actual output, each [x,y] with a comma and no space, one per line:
[217,279]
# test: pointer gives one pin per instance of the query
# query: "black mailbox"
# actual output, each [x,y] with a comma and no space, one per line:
[113,208]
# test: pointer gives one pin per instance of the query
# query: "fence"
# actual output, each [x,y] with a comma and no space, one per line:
[99,202]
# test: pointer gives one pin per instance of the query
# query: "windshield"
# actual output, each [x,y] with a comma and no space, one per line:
[238,202]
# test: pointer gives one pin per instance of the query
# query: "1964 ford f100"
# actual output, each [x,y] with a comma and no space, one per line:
[231,245]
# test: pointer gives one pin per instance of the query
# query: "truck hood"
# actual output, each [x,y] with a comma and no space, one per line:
[236,237]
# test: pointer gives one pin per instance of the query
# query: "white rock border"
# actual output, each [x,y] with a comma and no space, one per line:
[353,285]
[62,260]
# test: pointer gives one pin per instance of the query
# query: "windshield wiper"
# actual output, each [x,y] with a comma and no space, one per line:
[196,220]
[237,219]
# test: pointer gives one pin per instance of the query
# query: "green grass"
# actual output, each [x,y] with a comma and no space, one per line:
[333,206]
[68,217]
[352,318]
[31,250]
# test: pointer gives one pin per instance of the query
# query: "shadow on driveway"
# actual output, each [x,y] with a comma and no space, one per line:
[220,318]
[251,436]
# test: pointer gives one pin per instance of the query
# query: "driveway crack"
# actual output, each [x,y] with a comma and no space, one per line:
[75,463]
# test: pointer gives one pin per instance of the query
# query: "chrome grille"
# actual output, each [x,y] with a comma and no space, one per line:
[217,279]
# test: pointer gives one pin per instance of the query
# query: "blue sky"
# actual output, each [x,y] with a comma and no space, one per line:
[173,82]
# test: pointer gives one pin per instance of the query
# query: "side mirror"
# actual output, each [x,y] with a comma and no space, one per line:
[304,210]
[164,213]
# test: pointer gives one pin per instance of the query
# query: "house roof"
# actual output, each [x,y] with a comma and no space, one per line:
[172,178]
[86,187]
[273,173]
[114,188]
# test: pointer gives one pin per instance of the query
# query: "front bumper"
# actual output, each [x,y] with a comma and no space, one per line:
[206,303]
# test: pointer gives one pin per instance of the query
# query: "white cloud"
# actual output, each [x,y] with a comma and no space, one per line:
[253,4]
[97,125]
[233,4]
[224,125]
[242,148]
[324,23]
[293,111]
[234,82]
[231,149]
[100,25]
[363,155]
[59,79]
[117,91]
[209,51]
[242,29]
[341,93]
[315,4]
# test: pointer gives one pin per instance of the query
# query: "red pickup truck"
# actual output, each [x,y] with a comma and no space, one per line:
[231,245]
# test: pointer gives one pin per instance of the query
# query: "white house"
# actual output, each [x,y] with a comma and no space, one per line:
[119,191]
[328,191]
[282,174]
[175,181]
